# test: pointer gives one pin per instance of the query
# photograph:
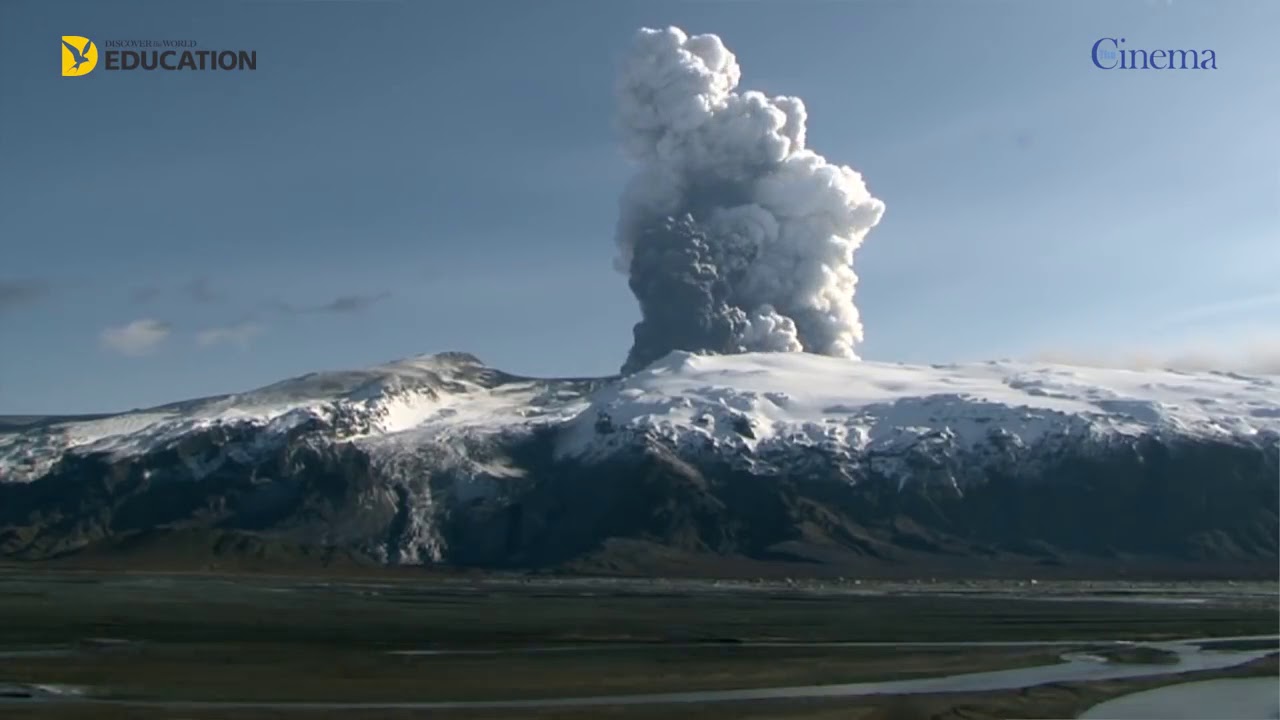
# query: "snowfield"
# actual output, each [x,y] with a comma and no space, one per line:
[737,404]
[789,398]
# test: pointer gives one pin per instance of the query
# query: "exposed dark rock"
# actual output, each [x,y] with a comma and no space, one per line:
[1190,502]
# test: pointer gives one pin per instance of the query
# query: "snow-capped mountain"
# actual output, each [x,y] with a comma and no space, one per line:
[442,459]
[428,399]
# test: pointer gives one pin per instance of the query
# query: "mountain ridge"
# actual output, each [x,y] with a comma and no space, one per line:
[819,462]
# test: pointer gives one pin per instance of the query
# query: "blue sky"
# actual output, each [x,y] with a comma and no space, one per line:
[400,177]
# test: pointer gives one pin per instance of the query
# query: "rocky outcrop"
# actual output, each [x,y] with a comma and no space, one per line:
[1174,502]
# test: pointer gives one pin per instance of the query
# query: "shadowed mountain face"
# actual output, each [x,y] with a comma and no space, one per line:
[454,464]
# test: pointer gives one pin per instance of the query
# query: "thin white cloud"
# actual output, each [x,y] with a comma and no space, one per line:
[238,335]
[1255,357]
[137,338]
[1209,311]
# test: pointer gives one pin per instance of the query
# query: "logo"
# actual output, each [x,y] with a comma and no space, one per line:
[79,56]
[1109,54]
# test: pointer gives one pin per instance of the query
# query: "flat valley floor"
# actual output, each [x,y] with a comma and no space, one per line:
[142,645]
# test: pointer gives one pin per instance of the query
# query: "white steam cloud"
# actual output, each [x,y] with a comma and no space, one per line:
[734,235]
[137,338]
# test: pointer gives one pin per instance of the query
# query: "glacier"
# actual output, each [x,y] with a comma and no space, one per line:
[745,404]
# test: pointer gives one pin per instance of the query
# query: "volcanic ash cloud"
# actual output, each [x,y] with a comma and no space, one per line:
[735,237]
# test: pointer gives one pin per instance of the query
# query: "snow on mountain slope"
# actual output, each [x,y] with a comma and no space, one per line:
[761,401]
[750,404]
[424,398]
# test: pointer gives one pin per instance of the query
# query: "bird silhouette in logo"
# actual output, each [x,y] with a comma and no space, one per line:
[79,53]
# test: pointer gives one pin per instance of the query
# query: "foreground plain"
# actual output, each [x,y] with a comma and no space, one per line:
[285,639]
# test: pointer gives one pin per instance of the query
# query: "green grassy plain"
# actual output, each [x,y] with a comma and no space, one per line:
[258,638]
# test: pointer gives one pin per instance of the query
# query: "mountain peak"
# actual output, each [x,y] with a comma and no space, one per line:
[448,357]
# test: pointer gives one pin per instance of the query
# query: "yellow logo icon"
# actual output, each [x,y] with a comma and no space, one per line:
[79,56]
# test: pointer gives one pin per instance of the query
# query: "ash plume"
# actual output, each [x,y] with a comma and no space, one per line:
[735,237]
